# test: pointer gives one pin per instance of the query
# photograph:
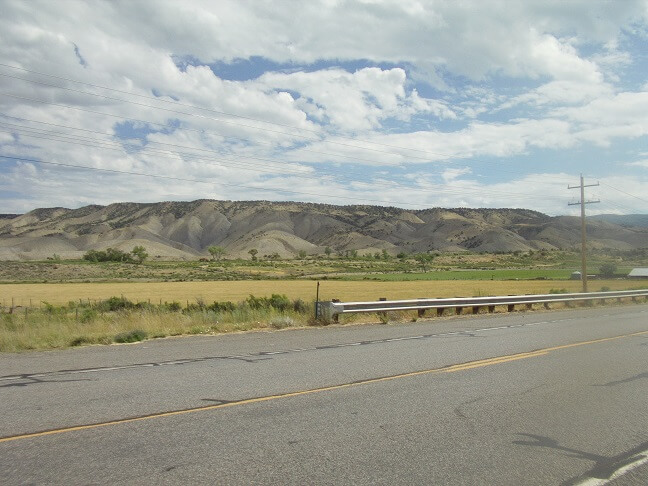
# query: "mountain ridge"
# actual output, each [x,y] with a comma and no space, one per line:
[174,229]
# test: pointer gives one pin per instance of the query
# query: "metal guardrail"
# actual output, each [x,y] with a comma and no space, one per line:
[329,311]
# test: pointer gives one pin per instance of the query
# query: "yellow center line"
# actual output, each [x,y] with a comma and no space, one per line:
[446,369]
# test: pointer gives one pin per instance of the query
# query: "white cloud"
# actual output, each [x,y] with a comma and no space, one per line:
[294,124]
[354,101]
[450,175]
[639,163]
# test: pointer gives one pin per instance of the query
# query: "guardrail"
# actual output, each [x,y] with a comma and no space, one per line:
[329,311]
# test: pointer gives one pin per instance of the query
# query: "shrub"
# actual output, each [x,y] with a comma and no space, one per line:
[559,291]
[281,322]
[88,315]
[300,306]
[276,301]
[172,306]
[131,336]
[114,304]
[108,255]
[222,307]
[280,302]
[80,340]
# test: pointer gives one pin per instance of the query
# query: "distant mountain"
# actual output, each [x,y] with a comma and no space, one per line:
[187,229]
[640,220]
[9,216]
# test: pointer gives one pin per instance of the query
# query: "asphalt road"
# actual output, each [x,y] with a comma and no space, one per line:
[555,397]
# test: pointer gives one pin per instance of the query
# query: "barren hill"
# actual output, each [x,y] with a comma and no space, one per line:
[187,229]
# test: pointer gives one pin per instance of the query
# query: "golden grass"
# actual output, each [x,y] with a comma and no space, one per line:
[235,291]
[42,330]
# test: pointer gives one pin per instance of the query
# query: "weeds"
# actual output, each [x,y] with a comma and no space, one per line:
[131,336]
[119,320]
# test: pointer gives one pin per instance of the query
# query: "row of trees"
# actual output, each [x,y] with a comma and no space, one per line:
[217,252]
[137,255]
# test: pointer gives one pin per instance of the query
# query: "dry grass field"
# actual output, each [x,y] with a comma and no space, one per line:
[55,316]
[61,293]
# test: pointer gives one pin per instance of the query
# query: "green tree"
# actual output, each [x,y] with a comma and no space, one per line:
[216,252]
[253,254]
[301,254]
[424,259]
[608,269]
[139,253]
[328,250]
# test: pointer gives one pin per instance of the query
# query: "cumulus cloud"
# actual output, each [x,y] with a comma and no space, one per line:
[385,88]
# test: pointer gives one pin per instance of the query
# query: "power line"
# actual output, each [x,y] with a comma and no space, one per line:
[437,190]
[198,130]
[157,176]
[140,148]
[624,192]
[498,168]
[232,122]
[187,105]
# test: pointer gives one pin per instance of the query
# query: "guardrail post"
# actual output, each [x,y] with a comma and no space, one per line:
[440,311]
[382,314]
[529,306]
[511,307]
[421,312]
[458,310]
[491,309]
[546,305]
[475,309]
[335,317]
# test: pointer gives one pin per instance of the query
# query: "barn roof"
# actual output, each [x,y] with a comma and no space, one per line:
[638,272]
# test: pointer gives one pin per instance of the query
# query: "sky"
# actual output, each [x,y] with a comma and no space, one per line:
[406,103]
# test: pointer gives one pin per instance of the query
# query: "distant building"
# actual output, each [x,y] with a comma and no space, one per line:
[638,273]
[575,276]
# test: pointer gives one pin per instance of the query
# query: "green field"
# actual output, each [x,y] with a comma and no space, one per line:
[497,274]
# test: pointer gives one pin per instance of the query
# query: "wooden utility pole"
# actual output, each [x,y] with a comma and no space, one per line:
[582,203]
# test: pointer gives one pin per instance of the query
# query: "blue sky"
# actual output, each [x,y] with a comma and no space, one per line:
[408,103]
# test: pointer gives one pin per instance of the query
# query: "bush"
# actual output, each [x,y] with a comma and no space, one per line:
[280,302]
[114,304]
[81,340]
[559,291]
[300,306]
[276,301]
[108,255]
[131,336]
[88,315]
[172,306]
[222,307]
[281,322]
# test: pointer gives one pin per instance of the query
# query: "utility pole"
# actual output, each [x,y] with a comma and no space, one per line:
[582,203]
